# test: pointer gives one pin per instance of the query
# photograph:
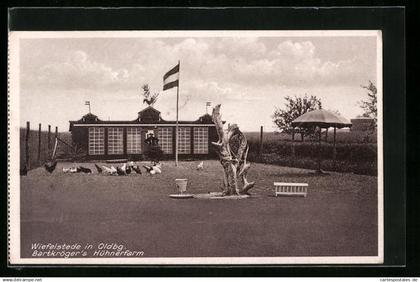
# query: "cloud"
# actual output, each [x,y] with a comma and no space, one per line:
[231,63]
[78,71]
[294,50]
[248,76]
[240,47]
[296,64]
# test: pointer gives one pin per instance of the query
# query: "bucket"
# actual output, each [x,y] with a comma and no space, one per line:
[181,184]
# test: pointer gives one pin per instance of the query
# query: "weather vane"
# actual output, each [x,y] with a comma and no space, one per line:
[149,98]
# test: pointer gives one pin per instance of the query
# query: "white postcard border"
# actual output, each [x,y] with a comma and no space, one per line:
[14,153]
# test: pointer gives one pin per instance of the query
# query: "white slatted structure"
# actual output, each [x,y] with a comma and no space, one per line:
[290,189]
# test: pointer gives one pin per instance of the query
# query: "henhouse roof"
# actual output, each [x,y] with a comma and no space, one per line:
[148,116]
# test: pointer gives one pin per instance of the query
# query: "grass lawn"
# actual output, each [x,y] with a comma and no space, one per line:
[338,217]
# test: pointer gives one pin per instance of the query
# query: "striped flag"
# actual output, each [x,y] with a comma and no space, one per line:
[171,78]
[208,104]
[87,103]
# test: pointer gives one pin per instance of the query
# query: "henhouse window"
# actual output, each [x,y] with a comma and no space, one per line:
[96,141]
[184,140]
[201,138]
[133,140]
[165,139]
[115,141]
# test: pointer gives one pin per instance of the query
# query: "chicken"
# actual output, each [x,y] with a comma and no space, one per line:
[137,169]
[200,166]
[74,169]
[128,169]
[85,169]
[110,170]
[24,171]
[120,171]
[50,166]
[66,169]
[98,168]
[148,168]
[156,168]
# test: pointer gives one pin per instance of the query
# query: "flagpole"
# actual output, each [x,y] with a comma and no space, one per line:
[87,103]
[176,126]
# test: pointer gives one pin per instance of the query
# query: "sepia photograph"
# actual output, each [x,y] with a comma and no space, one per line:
[196,147]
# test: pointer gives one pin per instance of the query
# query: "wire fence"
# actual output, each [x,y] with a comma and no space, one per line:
[37,145]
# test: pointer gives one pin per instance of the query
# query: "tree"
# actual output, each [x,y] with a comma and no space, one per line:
[370,109]
[152,150]
[232,149]
[149,98]
[153,153]
[294,108]
[369,105]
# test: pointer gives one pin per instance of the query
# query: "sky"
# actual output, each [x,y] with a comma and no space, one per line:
[249,76]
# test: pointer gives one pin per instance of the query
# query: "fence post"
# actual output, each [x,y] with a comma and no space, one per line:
[319,150]
[261,141]
[334,149]
[49,137]
[39,143]
[28,131]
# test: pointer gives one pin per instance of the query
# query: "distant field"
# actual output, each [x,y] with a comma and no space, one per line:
[267,136]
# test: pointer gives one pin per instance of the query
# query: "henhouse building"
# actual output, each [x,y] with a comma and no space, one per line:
[362,124]
[126,139]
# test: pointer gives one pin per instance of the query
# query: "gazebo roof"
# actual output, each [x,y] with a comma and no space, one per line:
[321,118]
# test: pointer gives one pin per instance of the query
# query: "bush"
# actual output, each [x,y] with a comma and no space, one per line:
[153,153]
[347,152]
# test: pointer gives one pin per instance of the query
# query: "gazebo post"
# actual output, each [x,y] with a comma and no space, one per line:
[293,143]
[319,150]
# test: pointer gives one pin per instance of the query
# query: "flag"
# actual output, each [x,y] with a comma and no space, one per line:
[208,104]
[171,78]
[87,103]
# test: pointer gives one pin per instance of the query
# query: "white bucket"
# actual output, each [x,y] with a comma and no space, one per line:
[181,184]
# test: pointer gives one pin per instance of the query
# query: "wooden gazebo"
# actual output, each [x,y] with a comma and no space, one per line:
[321,119]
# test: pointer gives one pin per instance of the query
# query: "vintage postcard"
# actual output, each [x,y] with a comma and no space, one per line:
[195,147]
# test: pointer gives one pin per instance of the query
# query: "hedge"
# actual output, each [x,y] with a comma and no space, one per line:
[356,158]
